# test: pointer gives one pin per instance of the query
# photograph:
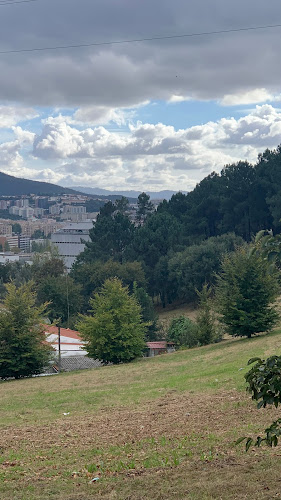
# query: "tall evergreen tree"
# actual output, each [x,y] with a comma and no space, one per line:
[246,290]
[23,347]
[145,207]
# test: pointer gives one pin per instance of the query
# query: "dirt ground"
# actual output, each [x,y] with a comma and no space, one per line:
[201,420]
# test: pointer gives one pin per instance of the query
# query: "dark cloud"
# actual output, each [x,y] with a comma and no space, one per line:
[125,75]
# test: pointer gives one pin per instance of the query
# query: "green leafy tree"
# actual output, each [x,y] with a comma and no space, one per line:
[41,247]
[148,312]
[196,265]
[16,228]
[145,207]
[246,291]
[23,347]
[205,319]
[110,235]
[122,205]
[183,332]
[63,296]
[114,331]
[38,234]
[268,246]
[263,382]
[46,265]
[92,275]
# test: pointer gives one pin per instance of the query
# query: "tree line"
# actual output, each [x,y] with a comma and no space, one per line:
[176,253]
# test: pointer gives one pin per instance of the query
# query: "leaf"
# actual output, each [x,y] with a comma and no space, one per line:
[249,442]
[253,360]
[240,440]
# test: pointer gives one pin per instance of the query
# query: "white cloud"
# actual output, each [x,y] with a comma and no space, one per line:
[254,96]
[150,154]
[10,157]
[178,98]
[11,115]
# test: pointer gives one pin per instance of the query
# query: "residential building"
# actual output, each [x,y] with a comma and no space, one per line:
[3,205]
[6,229]
[9,241]
[54,209]
[74,209]
[11,257]
[24,243]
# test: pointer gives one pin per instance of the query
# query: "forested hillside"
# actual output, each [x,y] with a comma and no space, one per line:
[180,245]
[12,186]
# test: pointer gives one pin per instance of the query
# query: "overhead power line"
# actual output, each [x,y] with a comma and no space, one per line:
[12,2]
[134,40]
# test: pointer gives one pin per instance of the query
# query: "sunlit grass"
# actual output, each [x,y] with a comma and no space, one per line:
[79,445]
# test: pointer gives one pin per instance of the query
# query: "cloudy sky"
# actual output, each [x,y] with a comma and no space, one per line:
[148,115]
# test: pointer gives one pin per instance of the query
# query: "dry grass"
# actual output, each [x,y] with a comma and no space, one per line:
[171,312]
[158,429]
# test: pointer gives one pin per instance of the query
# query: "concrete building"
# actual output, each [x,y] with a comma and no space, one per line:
[74,209]
[3,205]
[9,241]
[69,240]
[6,229]
[39,212]
[11,257]
[24,243]
[54,209]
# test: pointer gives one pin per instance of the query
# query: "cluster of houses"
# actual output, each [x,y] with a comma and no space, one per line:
[71,354]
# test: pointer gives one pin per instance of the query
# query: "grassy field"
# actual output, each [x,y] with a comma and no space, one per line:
[159,428]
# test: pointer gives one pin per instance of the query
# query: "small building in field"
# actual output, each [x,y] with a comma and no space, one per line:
[73,356]
[159,347]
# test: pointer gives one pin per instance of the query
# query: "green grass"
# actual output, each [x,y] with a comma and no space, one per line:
[171,415]
[201,369]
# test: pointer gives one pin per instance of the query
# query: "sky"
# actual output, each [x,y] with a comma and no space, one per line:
[149,115]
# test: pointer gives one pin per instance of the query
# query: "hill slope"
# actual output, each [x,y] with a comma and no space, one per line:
[158,428]
[154,195]
[13,186]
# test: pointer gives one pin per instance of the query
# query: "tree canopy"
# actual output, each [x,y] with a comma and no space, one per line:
[114,330]
[246,290]
[23,347]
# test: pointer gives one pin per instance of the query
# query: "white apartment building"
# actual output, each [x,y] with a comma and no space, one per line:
[6,257]
[69,240]
[74,209]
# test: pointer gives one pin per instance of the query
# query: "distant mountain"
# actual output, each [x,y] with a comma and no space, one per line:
[15,186]
[160,195]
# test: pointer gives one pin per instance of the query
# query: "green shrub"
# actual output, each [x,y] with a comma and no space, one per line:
[183,332]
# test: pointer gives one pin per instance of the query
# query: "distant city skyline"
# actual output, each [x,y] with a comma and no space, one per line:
[145,116]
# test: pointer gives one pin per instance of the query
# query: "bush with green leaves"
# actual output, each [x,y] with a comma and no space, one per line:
[114,331]
[183,332]
[264,383]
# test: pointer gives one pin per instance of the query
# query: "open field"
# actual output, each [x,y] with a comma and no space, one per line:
[170,312]
[160,428]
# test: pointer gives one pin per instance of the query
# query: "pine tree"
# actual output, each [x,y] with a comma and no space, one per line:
[23,347]
[205,318]
[246,290]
